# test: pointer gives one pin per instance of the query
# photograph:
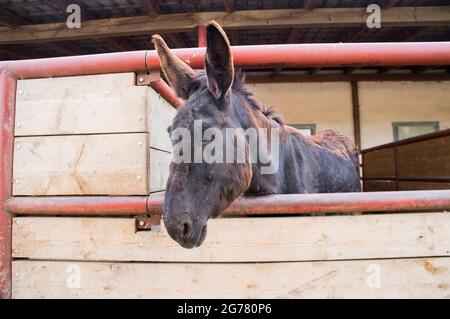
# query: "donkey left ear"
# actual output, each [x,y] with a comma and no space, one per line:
[218,61]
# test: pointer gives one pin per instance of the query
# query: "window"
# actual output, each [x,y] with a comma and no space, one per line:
[305,129]
[404,130]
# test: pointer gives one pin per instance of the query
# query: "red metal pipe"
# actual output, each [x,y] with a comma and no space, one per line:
[7,110]
[119,62]
[323,55]
[285,55]
[201,33]
[293,204]
[83,205]
[166,92]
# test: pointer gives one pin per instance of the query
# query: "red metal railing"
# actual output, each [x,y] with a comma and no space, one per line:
[297,204]
[295,55]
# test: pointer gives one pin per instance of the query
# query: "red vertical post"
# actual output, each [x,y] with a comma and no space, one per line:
[7,110]
[201,36]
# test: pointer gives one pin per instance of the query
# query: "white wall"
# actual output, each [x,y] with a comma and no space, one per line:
[382,103]
[329,105]
[326,104]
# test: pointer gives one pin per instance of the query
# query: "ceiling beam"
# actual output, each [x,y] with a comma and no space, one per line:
[10,20]
[280,18]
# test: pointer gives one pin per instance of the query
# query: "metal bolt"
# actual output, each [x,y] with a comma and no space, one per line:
[20,92]
[16,181]
[139,178]
[141,245]
[17,221]
[19,125]
[17,274]
[140,144]
[16,251]
[141,223]
[18,146]
[140,118]
[141,79]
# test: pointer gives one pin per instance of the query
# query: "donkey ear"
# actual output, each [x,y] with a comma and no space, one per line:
[219,61]
[176,71]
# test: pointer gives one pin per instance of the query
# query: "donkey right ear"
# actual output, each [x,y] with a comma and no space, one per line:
[177,72]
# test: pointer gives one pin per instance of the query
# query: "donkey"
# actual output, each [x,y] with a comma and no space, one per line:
[195,192]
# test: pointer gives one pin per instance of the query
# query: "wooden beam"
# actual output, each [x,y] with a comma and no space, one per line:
[356,114]
[10,20]
[279,18]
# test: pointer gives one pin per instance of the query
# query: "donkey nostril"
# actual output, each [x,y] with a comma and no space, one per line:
[186,230]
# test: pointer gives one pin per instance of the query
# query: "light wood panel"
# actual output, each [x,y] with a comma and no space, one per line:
[110,164]
[402,278]
[237,239]
[107,103]
[158,172]
[159,117]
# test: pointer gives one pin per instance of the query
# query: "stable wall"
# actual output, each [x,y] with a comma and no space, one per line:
[329,105]
[326,104]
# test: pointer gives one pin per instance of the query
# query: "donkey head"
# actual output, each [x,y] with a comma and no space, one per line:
[197,188]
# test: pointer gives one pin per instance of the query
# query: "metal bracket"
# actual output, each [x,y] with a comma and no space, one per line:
[144,78]
[148,223]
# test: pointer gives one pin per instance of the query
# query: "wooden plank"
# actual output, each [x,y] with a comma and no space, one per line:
[159,162]
[109,164]
[425,159]
[413,186]
[390,278]
[160,115]
[379,186]
[237,239]
[80,104]
[379,163]
[241,19]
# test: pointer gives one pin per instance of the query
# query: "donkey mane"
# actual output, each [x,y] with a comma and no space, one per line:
[239,87]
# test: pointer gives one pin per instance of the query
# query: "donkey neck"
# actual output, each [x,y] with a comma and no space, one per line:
[250,115]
